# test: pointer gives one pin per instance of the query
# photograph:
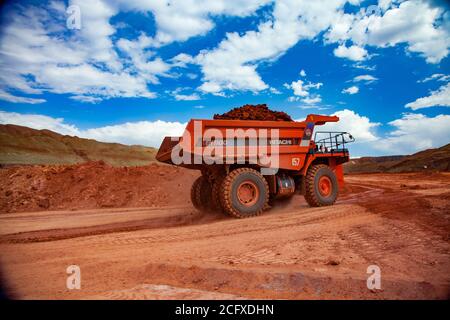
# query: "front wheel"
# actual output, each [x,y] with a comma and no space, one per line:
[321,186]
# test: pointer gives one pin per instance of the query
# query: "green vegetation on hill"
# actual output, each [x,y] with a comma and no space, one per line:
[23,145]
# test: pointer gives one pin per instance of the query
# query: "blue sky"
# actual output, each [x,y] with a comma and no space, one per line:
[134,71]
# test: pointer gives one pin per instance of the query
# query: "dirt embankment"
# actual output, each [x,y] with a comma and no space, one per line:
[429,160]
[23,145]
[92,185]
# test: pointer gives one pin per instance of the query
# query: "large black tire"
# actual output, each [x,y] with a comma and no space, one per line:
[201,194]
[255,187]
[321,186]
[215,193]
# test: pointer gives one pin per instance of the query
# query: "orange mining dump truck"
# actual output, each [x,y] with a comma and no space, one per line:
[246,165]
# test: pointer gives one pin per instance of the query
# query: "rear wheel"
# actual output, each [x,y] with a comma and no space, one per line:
[215,193]
[321,186]
[244,193]
[201,194]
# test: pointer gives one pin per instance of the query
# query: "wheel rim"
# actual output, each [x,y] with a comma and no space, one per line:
[325,186]
[247,193]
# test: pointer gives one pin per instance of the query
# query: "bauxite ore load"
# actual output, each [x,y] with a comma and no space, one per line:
[253,112]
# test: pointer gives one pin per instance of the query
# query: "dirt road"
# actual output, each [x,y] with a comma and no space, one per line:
[399,222]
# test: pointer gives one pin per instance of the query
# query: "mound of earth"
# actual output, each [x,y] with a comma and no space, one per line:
[254,112]
[23,145]
[92,185]
[437,159]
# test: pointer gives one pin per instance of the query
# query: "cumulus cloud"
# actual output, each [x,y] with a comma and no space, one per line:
[365,78]
[232,64]
[187,97]
[301,91]
[180,20]
[35,39]
[312,100]
[415,132]
[353,52]
[359,126]
[440,97]
[37,121]
[147,133]
[351,90]
[37,58]
[298,88]
[36,47]
[418,24]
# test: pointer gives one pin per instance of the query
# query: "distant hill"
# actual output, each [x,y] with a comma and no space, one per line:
[23,145]
[428,160]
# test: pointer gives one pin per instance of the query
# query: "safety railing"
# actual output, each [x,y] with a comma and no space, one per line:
[332,141]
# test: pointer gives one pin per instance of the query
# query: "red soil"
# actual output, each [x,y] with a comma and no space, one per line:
[254,112]
[92,185]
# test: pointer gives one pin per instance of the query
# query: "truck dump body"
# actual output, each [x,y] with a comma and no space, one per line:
[238,140]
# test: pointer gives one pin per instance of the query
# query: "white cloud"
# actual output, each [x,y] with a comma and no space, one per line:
[365,77]
[180,20]
[191,76]
[36,57]
[86,99]
[181,60]
[437,76]
[440,97]
[274,90]
[6,96]
[416,23]
[351,90]
[415,132]
[354,52]
[210,87]
[309,107]
[35,38]
[35,45]
[359,126]
[312,100]
[232,65]
[302,89]
[187,97]
[409,134]
[39,122]
[298,88]
[96,31]
[148,133]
